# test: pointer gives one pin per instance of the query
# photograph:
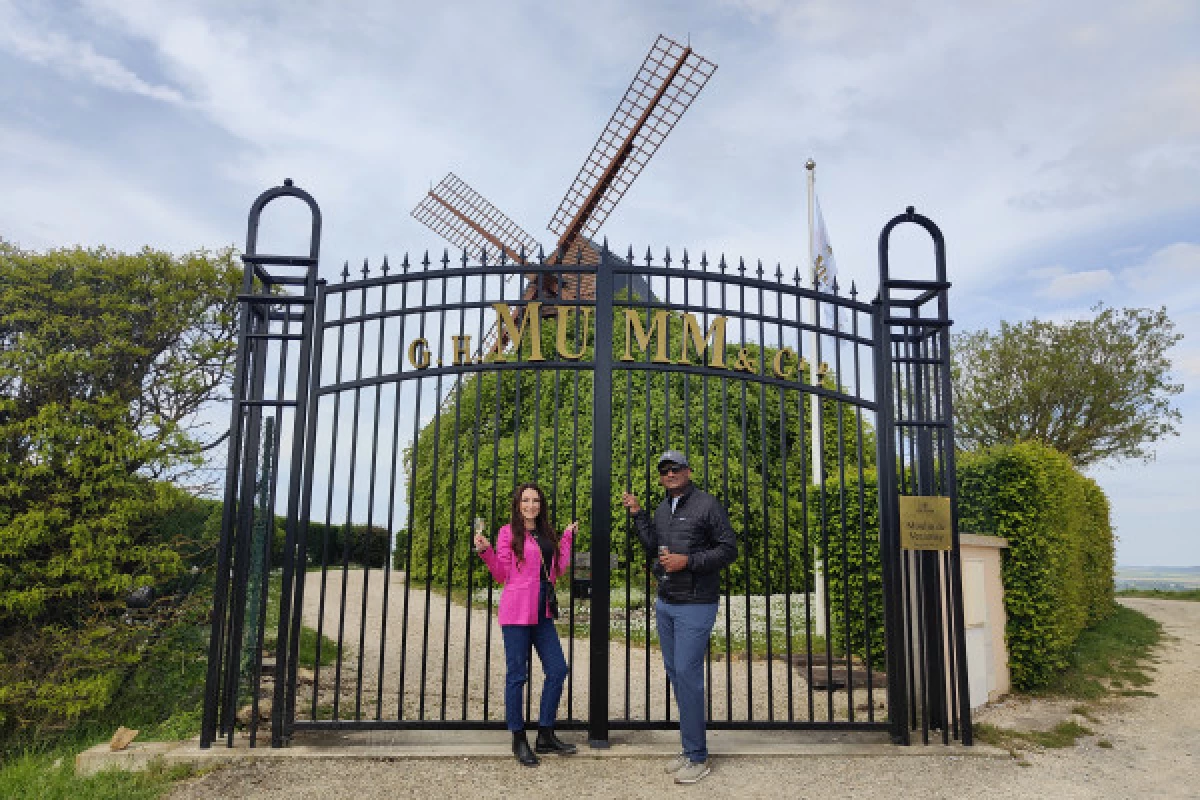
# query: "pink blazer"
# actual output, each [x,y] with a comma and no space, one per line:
[519,599]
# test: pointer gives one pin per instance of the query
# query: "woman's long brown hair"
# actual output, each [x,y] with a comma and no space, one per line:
[544,531]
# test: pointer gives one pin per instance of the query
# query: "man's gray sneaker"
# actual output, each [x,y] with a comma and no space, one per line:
[675,764]
[692,772]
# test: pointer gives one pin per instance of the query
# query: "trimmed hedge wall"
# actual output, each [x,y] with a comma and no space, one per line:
[844,573]
[1058,568]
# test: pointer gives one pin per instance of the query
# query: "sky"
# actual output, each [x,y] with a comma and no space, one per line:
[1057,145]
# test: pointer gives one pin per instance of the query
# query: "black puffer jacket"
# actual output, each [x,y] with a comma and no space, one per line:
[700,528]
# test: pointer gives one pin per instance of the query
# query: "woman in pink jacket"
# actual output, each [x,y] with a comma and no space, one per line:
[528,558]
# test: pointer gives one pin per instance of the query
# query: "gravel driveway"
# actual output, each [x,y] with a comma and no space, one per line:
[427,659]
[1155,753]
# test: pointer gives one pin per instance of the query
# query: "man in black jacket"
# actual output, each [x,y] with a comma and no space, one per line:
[694,541]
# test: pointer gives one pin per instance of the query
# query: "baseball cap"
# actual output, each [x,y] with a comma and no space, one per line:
[672,457]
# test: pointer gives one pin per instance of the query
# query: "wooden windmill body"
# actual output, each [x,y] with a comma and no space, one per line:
[669,79]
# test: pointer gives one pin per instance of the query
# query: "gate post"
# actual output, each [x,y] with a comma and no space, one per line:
[927,669]
[260,297]
[601,506]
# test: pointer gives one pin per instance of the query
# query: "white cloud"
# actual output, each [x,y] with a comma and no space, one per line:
[1170,270]
[1070,285]
[75,58]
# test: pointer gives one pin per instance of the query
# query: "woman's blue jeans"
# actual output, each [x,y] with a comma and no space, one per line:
[519,642]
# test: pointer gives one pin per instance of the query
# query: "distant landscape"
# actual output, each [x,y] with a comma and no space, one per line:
[1173,579]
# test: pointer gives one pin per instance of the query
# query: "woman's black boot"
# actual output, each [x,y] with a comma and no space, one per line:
[521,750]
[547,742]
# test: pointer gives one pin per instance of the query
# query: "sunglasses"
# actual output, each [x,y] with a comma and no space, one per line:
[667,469]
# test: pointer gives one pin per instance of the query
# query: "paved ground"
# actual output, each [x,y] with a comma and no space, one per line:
[1155,753]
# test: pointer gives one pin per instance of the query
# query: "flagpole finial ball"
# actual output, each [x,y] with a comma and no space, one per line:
[810,165]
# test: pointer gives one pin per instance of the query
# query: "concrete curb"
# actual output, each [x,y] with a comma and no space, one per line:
[405,745]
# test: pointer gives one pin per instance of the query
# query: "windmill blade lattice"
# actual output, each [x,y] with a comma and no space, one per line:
[465,218]
[664,87]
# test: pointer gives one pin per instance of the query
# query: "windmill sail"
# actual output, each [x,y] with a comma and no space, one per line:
[465,218]
[664,87]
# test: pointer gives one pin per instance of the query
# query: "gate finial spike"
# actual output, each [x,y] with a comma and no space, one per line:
[760,269]
[604,246]
[346,272]
[425,262]
[541,255]
[835,284]
[685,260]
[464,258]
[704,260]
[667,256]
[649,258]
[741,265]
[629,254]
[385,268]
[404,262]
[366,270]
[853,290]
[503,260]
[778,272]
[722,265]
[445,258]
[797,278]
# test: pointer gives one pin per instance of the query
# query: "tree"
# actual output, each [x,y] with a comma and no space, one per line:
[105,358]
[1093,389]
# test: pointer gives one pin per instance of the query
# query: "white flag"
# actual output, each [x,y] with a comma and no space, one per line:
[823,264]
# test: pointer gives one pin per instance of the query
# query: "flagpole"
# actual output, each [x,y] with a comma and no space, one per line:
[814,375]
[818,471]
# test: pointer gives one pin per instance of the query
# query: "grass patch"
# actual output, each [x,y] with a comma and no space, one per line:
[1162,594]
[1108,656]
[1112,654]
[307,654]
[51,776]
[1064,734]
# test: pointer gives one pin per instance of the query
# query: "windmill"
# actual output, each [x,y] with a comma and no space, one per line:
[669,79]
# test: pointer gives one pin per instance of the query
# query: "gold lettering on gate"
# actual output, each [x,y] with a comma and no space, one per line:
[585,324]
[531,320]
[418,353]
[743,363]
[691,333]
[461,345]
[634,330]
[777,365]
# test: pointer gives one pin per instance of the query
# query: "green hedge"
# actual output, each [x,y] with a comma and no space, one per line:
[1058,568]
[846,579]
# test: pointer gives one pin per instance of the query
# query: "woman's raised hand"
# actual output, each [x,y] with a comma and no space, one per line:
[481,543]
[572,528]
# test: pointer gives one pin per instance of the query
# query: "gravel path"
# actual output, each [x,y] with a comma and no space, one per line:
[423,663]
[1155,753]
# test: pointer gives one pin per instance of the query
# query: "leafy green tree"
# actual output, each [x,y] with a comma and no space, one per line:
[105,358]
[1094,389]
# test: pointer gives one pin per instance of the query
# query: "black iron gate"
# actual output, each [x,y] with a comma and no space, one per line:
[396,411]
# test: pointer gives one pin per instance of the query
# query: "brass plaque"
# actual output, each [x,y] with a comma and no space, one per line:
[925,523]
